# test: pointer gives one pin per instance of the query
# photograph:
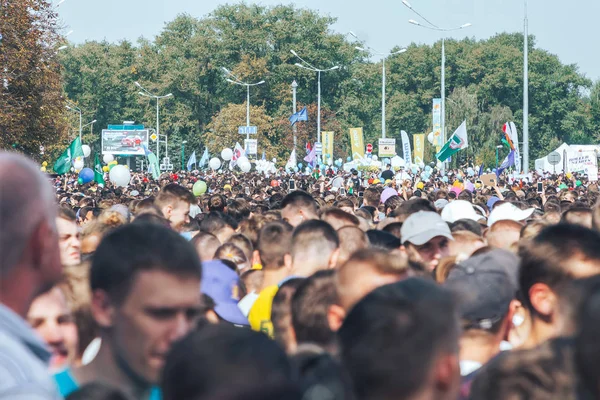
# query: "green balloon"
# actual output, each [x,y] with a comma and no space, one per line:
[199,188]
[80,181]
[110,166]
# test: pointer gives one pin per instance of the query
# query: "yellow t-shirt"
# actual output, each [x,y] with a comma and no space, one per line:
[260,313]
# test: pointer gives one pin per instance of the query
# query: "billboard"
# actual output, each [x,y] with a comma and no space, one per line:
[387,147]
[124,142]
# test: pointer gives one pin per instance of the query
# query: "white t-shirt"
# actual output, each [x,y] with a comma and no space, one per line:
[247,302]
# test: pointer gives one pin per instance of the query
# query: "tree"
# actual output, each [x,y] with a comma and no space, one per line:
[32,108]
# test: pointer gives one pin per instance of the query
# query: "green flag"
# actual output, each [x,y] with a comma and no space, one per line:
[153,164]
[458,141]
[64,162]
[98,175]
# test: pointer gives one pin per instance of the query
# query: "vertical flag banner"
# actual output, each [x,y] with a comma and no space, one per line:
[357,143]
[191,161]
[98,174]
[458,141]
[438,136]
[515,140]
[327,140]
[419,147]
[406,148]
[64,162]
[291,164]
[153,165]
[204,159]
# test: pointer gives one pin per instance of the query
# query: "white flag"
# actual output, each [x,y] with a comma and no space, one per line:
[406,148]
[291,164]
[515,139]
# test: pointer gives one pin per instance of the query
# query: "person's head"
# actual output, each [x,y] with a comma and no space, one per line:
[311,306]
[68,237]
[351,239]
[464,244]
[281,314]
[50,316]
[371,197]
[366,270]
[275,246]
[315,246]
[87,214]
[238,209]
[466,225]
[553,258]
[504,234]
[217,202]
[578,215]
[231,252]
[206,245]
[338,218]
[174,202]
[383,240]
[30,259]
[414,322]
[587,349]
[426,238]
[97,391]
[407,208]
[145,281]
[395,228]
[219,224]
[216,358]
[297,207]
[220,282]
[251,281]
[244,243]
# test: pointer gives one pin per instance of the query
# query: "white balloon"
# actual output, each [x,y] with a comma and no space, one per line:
[430,137]
[119,175]
[245,167]
[397,162]
[108,158]
[78,165]
[242,160]
[86,150]
[375,158]
[226,154]
[214,163]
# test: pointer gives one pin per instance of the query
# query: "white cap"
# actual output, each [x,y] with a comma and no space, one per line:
[460,209]
[508,211]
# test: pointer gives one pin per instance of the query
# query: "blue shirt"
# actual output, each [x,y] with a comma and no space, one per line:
[67,384]
[24,360]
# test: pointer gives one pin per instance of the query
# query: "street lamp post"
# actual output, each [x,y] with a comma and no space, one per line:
[146,93]
[384,57]
[294,128]
[238,81]
[434,27]
[306,65]
[77,110]
[526,94]
[183,154]
[497,148]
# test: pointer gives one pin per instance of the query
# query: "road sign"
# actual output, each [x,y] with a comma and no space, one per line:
[251,146]
[166,164]
[554,158]
[125,127]
[387,147]
[369,148]
[153,137]
[247,130]
[319,148]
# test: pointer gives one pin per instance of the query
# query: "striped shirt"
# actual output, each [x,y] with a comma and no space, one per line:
[24,361]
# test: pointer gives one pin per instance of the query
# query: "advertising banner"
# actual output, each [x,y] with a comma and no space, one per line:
[438,136]
[419,148]
[327,141]
[406,148]
[357,143]
[583,162]
[251,146]
[387,147]
[123,142]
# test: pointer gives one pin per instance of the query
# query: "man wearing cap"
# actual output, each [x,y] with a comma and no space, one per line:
[425,238]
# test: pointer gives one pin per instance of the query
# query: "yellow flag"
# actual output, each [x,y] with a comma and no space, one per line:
[327,140]
[357,143]
[418,148]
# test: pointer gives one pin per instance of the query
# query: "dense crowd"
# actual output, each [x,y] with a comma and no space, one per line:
[331,285]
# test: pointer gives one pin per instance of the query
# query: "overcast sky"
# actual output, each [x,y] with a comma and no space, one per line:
[568,29]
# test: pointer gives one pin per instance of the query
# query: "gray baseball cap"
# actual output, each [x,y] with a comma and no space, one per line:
[422,226]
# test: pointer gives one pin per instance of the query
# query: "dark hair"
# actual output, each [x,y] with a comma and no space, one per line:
[97,391]
[394,228]
[383,240]
[216,358]
[310,306]
[215,221]
[392,203]
[239,210]
[173,192]
[371,196]
[139,247]
[548,257]
[466,225]
[587,347]
[300,199]
[67,213]
[412,206]
[281,311]
[413,321]
[217,202]
[274,242]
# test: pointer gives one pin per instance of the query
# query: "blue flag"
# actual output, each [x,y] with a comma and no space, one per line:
[204,158]
[509,161]
[480,170]
[301,115]
[191,161]
[264,157]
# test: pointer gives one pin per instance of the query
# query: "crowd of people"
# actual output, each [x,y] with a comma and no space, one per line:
[341,285]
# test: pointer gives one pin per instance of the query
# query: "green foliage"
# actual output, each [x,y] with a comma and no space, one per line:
[483,83]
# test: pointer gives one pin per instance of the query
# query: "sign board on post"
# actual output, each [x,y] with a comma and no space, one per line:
[319,148]
[124,142]
[166,164]
[369,148]
[251,146]
[583,162]
[387,147]
[247,130]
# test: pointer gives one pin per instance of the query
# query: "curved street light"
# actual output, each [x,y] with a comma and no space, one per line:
[146,93]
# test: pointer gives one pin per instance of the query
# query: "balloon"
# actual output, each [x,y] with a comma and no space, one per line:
[108,158]
[445,179]
[348,159]
[242,160]
[43,169]
[414,169]
[427,168]
[300,165]
[119,175]
[226,154]
[78,165]
[199,188]
[375,158]
[86,175]
[430,137]
[274,183]
[397,162]
[214,163]
[274,160]
[45,164]
[80,181]
[86,150]
[470,172]
[105,168]
[245,167]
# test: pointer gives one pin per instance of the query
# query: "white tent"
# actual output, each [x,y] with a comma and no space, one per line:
[542,164]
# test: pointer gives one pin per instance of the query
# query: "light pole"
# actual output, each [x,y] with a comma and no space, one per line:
[72,107]
[384,57]
[310,67]
[238,81]
[183,154]
[526,94]
[434,27]
[497,148]
[91,124]
[146,93]
[294,128]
